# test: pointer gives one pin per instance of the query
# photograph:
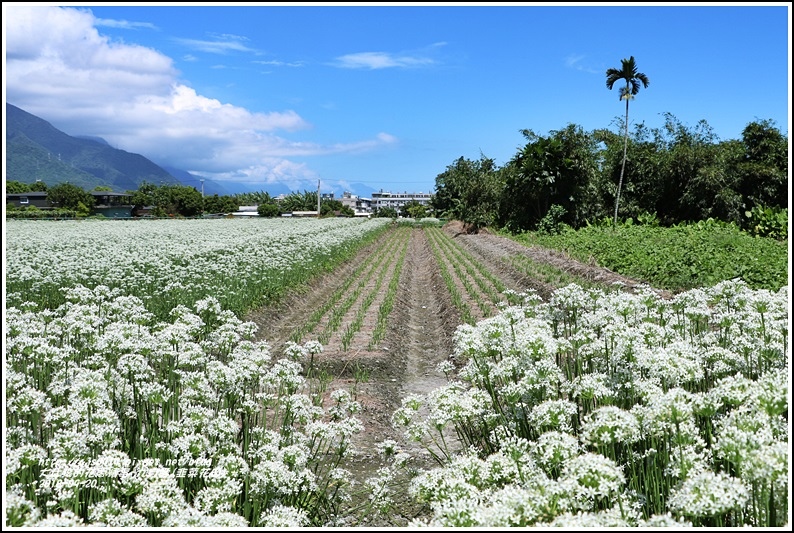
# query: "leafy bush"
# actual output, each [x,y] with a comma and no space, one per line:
[768,222]
[552,223]
[267,210]
[648,219]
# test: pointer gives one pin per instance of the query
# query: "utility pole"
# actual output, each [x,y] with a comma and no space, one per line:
[318,198]
[202,187]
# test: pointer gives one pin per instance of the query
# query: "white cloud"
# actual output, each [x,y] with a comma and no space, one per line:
[378,60]
[60,68]
[273,170]
[216,46]
[124,24]
[280,63]
[575,62]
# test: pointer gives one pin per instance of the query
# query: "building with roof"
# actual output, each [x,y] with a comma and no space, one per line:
[361,206]
[397,201]
[106,203]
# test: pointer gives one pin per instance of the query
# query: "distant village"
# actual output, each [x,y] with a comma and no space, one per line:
[119,205]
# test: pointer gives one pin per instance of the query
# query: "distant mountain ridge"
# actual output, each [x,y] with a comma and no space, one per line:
[36,150]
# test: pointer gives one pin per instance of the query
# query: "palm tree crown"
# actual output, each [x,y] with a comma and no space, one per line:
[627,72]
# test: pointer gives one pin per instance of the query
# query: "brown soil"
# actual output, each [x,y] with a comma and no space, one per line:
[419,328]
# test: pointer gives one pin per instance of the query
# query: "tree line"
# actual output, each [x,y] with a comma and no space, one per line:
[180,200]
[163,200]
[673,174]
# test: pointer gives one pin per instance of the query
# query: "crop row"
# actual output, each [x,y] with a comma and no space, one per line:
[467,279]
[351,302]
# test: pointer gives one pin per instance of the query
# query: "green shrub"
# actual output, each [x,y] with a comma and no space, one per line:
[551,223]
[268,210]
[768,222]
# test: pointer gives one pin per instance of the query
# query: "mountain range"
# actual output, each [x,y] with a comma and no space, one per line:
[37,151]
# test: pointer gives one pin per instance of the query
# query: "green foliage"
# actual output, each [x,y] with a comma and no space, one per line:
[678,258]
[470,191]
[764,167]
[16,187]
[295,201]
[415,209]
[768,222]
[549,170]
[648,219]
[33,212]
[220,204]
[330,208]
[386,212]
[82,210]
[184,201]
[68,196]
[552,223]
[169,200]
[268,210]
[603,222]
[253,198]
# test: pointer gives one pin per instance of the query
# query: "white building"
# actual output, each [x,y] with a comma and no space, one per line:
[360,206]
[398,200]
[246,211]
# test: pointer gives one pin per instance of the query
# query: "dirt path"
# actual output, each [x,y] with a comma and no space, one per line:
[427,320]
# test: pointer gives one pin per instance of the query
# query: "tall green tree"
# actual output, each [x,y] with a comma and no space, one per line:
[550,170]
[220,204]
[764,168]
[628,73]
[253,198]
[179,200]
[474,188]
[295,201]
[415,209]
[69,196]
[330,208]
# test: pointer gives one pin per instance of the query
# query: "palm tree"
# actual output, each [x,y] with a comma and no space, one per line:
[628,72]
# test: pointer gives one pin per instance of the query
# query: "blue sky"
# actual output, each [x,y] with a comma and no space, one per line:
[387,95]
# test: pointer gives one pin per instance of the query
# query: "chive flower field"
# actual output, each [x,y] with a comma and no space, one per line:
[136,395]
